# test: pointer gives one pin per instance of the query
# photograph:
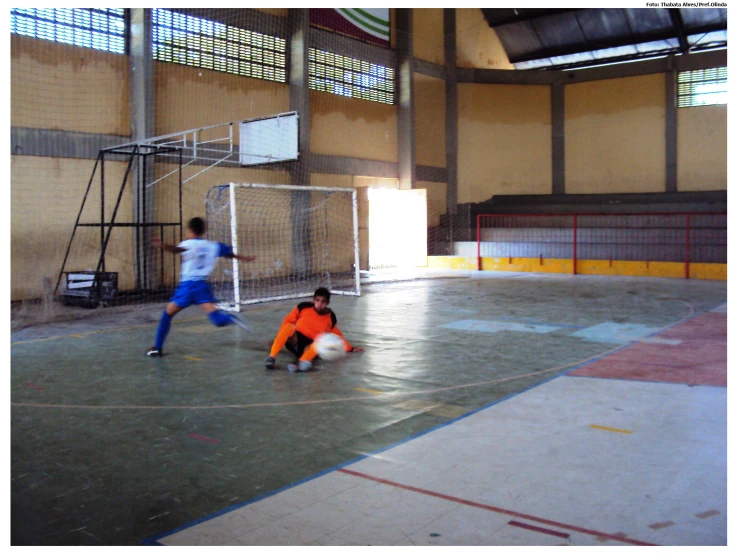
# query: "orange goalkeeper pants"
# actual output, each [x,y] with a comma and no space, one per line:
[286,332]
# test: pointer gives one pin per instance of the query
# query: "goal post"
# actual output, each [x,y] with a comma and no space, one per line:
[234,245]
[303,238]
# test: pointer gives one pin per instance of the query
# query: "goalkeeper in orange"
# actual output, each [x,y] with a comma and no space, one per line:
[300,328]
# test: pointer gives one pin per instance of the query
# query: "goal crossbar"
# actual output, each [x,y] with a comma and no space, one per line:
[292,187]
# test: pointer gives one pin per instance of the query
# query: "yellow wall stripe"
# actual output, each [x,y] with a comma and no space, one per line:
[529,265]
[584,267]
[718,272]
[451,262]
[631,269]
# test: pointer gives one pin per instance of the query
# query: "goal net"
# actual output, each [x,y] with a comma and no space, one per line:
[303,238]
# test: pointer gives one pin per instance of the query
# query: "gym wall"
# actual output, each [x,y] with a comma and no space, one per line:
[477,46]
[45,199]
[615,135]
[64,87]
[428,35]
[702,148]
[190,97]
[504,140]
[352,127]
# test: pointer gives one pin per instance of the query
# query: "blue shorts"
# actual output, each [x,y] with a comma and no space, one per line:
[193,292]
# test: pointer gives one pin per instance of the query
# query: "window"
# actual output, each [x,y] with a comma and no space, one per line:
[350,77]
[188,40]
[99,28]
[703,87]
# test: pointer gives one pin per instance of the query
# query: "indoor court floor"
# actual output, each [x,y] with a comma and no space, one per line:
[488,409]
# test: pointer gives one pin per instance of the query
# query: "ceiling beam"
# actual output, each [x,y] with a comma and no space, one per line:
[524,16]
[676,19]
[608,61]
[614,42]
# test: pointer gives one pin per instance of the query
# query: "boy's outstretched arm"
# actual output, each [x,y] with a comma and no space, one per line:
[167,247]
[242,258]
[226,251]
[349,348]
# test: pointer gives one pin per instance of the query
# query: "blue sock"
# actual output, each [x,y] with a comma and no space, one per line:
[165,323]
[220,319]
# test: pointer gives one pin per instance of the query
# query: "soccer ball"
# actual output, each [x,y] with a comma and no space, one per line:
[330,347]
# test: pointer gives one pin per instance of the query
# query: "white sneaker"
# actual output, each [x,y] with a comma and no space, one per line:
[154,352]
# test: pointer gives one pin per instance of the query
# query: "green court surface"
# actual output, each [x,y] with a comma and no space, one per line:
[111,447]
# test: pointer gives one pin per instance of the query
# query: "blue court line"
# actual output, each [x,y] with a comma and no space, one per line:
[153,541]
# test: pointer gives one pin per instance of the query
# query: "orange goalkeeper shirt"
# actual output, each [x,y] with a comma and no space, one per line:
[311,324]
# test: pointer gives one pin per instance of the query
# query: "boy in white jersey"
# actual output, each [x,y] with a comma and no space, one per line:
[198,261]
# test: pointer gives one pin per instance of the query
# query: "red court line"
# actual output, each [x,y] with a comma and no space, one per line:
[539,529]
[204,438]
[498,510]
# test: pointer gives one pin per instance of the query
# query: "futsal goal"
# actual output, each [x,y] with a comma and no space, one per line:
[303,238]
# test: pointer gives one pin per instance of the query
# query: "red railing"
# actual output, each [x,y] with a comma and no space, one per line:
[686,237]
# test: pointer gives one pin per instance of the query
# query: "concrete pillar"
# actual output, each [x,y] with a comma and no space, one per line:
[142,127]
[299,27]
[405,95]
[671,127]
[558,153]
[452,122]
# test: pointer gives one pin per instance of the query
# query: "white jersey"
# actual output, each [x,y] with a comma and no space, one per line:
[199,258]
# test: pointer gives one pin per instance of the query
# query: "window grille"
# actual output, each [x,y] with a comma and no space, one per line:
[350,77]
[189,40]
[98,28]
[703,87]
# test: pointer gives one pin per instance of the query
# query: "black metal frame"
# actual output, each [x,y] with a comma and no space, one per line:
[133,153]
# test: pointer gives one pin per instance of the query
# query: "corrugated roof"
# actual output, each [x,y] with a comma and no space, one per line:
[569,38]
